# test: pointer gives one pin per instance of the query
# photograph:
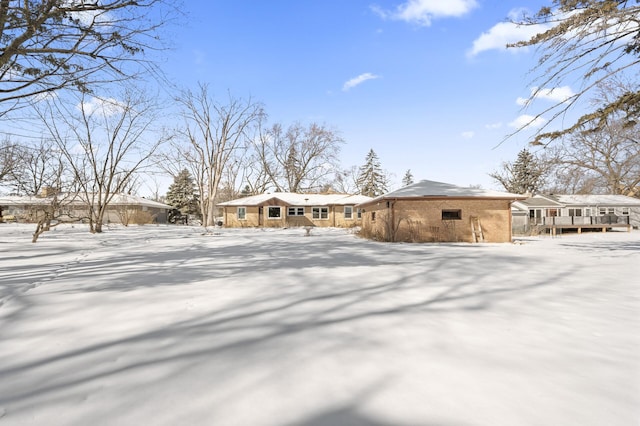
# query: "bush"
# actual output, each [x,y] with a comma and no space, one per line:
[140,217]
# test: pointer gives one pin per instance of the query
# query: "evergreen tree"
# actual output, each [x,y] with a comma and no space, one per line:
[525,175]
[407,179]
[372,180]
[182,194]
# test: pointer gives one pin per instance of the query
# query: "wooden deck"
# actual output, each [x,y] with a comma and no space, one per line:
[578,223]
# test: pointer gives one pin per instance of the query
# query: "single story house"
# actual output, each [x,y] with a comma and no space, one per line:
[541,212]
[123,208]
[286,209]
[429,211]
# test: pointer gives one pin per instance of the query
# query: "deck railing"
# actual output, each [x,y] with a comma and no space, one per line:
[581,220]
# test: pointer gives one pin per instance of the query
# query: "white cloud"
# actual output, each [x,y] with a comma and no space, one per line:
[493,126]
[556,94]
[87,17]
[422,12]
[358,80]
[107,106]
[528,121]
[46,96]
[467,135]
[502,34]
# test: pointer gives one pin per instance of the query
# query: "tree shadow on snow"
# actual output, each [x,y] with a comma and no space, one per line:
[306,311]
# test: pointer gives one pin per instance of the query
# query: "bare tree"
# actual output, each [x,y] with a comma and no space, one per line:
[300,159]
[346,181]
[595,39]
[105,142]
[11,155]
[214,134]
[41,166]
[604,160]
[601,156]
[48,45]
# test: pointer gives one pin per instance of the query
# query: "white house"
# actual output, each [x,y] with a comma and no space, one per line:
[575,211]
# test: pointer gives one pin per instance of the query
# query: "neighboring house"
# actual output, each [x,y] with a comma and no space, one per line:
[123,208]
[286,209]
[542,212]
[435,211]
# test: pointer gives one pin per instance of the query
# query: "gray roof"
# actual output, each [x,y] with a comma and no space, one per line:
[432,189]
[568,200]
[538,201]
[294,199]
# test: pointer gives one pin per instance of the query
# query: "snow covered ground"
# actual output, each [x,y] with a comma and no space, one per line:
[159,325]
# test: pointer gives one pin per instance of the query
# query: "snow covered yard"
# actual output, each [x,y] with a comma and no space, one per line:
[166,326]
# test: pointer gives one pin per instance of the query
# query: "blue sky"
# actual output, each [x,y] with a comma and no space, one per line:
[426,83]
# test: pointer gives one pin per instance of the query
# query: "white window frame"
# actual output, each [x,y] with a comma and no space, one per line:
[575,212]
[297,211]
[625,211]
[359,213]
[350,215]
[269,217]
[319,211]
[603,211]
[244,215]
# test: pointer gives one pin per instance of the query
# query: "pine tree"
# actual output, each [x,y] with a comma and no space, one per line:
[182,194]
[524,176]
[372,180]
[407,179]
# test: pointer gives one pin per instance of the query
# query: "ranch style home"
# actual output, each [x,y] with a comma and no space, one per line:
[123,208]
[286,209]
[429,211]
[556,212]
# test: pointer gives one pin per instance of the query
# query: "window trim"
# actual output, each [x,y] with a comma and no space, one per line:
[269,217]
[297,211]
[350,216]
[625,211]
[451,214]
[319,209]
[244,208]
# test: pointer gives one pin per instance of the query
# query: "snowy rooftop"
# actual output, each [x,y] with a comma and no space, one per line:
[590,200]
[294,199]
[118,199]
[429,188]
[536,201]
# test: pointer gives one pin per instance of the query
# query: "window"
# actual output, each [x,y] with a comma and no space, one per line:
[320,212]
[295,211]
[359,213]
[373,216]
[575,212]
[587,212]
[242,213]
[553,212]
[348,212]
[451,214]
[625,211]
[605,211]
[273,212]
